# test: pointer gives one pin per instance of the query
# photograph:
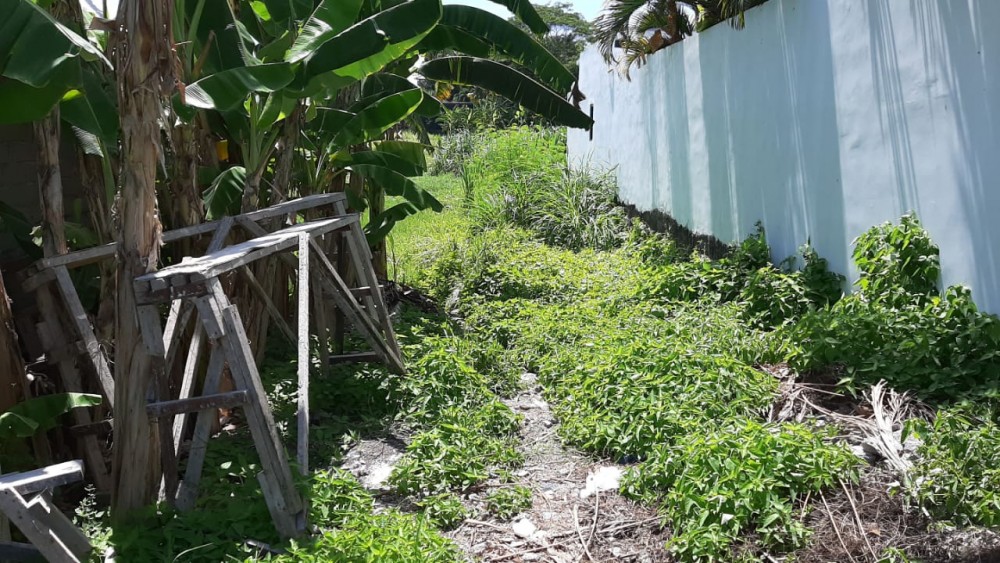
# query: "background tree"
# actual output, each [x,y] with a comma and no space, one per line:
[627,31]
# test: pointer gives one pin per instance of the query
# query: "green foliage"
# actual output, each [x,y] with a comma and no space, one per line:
[41,413]
[373,538]
[509,501]
[898,327]
[445,510]
[737,479]
[896,259]
[462,448]
[958,479]
[520,179]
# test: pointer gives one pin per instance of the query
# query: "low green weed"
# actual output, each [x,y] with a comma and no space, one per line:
[461,449]
[507,502]
[445,510]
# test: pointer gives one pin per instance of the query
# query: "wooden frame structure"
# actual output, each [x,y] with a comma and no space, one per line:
[26,499]
[194,292]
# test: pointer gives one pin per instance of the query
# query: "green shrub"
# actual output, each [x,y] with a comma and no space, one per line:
[374,538]
[958,477]
[507,502]
[896,259]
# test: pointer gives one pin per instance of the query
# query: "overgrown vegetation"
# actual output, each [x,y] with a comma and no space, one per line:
[649,356]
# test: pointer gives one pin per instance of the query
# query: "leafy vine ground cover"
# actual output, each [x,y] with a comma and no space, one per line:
[649,356]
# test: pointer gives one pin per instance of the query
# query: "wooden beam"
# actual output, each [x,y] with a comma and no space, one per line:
[29,482]
[187,492]
[191,277]
[195,404]
[81,323]
[98,253]
[354,358]
[258,289]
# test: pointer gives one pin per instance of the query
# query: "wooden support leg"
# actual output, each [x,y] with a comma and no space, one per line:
[352,311]
[187,492]
[188,380]
[54,339]
[283,499]
[81,324]
[303,357]
[362,258]
[35,526]
[152,337]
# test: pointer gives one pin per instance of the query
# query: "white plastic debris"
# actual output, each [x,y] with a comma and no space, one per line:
[377,475]
[602,479]
[524,528]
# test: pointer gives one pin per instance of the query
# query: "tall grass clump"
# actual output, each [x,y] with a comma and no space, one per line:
[518,177]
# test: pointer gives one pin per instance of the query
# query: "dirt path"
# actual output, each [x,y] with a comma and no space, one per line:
[576,513]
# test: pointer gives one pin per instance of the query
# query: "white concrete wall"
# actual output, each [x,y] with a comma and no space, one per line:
[820,118]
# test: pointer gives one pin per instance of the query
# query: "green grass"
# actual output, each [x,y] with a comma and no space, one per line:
[415,243]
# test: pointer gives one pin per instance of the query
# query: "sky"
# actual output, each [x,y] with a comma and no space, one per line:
[588,8]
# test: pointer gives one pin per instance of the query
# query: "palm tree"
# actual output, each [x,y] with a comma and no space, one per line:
[627,31]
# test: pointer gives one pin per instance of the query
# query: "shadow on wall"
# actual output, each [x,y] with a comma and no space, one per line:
[788,146]
[970,54]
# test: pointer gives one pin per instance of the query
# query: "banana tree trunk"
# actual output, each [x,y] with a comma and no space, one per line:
[185,204]
[143,56]
[12,382]
[50,192]
[270,273]
[98,187]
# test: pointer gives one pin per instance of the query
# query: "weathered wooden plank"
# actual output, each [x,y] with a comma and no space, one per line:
[187,492]
[354,358]
[35,530]
[28,482]
[81,323]
[374,301]
[98,253]
[331,282]
[188,379]
[195,404]
[99,428]
[214,264]
[303,355]
[352,311]
[272,310]
[43,510]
